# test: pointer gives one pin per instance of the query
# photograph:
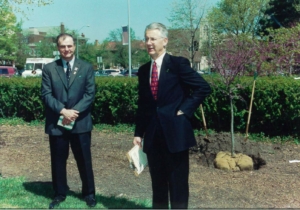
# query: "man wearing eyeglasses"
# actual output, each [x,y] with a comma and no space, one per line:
[169,92]
[68,90]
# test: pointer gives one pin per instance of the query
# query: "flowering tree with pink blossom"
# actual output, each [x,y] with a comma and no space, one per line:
[231,59]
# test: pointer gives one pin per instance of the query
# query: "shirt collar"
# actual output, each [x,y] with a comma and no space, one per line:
[71,62]
[159,60]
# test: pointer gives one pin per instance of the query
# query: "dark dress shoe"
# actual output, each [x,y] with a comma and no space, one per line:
[90,200]
[56,201]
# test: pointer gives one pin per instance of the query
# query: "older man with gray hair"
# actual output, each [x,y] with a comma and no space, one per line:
[169,92]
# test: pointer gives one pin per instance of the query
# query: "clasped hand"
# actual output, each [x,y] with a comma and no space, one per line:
[70,115]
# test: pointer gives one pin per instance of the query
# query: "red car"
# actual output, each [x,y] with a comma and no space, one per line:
[7,71]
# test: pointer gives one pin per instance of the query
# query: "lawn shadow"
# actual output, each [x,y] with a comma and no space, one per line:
[110,202]
[39,188]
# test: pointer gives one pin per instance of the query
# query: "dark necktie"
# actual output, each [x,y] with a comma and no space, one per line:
[68,72]
[154,81]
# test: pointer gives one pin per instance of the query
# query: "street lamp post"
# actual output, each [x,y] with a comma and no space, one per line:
[77,46]
[129,39]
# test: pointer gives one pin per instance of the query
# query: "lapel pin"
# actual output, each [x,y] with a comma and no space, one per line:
[167,70]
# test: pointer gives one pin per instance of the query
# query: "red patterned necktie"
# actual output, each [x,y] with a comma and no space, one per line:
[154,81]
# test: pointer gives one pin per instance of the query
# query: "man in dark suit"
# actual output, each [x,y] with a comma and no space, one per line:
[68,90]
[169,92]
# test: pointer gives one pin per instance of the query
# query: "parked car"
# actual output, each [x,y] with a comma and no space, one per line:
[134,73]
[7,71]
[113,72]
[116,75]
[100,73]
[19,72]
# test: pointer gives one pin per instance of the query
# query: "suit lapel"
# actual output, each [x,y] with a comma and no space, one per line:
[74,72]
[148,67]
[148,77]
[61,73]
[164,69]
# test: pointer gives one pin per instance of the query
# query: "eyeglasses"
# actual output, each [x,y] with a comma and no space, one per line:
[65,46]
[152,39]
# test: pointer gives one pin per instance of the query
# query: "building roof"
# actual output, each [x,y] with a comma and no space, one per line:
[38,30]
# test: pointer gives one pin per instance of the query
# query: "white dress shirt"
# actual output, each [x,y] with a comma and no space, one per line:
[158,62]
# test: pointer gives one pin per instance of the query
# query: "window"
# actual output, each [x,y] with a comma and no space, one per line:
[38,66]
[3,71]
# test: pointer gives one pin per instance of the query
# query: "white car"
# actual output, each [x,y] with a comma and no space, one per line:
[32,73]
[113,72]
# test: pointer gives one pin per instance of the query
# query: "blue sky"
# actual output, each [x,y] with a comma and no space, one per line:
[102,16]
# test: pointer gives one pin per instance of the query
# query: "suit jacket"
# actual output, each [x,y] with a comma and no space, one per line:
[58,94]
[180,88]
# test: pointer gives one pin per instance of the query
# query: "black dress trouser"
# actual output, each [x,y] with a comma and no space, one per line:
[81,148]
[169,174]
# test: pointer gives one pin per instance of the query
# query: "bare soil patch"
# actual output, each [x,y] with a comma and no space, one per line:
[24,151]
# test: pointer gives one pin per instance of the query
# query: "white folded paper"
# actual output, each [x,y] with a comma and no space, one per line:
[138,159]
[68,127]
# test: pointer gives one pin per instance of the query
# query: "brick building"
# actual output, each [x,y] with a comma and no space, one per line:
[34,35]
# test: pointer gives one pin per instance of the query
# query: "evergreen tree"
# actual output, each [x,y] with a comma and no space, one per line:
[280,13]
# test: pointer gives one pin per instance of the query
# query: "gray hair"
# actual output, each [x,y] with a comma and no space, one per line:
[159,26]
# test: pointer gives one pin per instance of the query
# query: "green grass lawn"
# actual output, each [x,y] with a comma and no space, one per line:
[18,193]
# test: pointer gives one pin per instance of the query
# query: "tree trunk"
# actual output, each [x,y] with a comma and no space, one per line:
[231,127]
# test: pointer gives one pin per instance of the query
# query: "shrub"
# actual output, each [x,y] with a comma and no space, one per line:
[275,110]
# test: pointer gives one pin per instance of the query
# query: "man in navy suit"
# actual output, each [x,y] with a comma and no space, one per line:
[167,100]
[68,90]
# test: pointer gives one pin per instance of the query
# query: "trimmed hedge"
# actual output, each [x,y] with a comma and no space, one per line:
[115,100]
[275,109]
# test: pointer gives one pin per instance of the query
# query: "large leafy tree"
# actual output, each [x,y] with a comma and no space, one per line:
[8,35]
[236,17]
[280,14]
[12,43]
[45,48]
[23,49]
[15,5]
[185,18]
[117,53]
[88,52]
